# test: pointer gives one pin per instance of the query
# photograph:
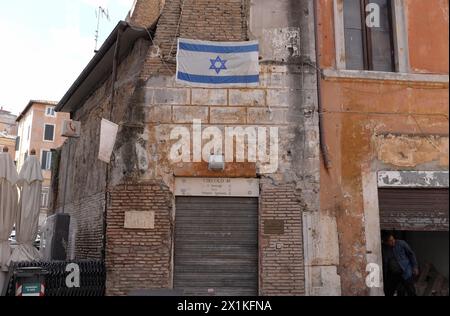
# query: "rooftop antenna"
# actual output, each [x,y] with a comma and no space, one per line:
[100,12]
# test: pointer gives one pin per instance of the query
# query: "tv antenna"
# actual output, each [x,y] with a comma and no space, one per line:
[100,12]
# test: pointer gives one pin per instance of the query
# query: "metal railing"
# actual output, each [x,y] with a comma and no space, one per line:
[92,277]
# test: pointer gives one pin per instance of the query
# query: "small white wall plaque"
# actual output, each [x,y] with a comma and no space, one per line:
[139,220]
[230,187]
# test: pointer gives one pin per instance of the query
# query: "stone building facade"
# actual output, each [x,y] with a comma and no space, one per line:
[312,225]
[39,128]
[8,131]
[129,212]
[7,122]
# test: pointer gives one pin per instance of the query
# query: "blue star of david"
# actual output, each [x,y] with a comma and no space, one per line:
[218,64]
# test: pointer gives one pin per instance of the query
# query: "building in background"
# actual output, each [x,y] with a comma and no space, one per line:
[8,131]
[39,128]
[8,122]
[8,141]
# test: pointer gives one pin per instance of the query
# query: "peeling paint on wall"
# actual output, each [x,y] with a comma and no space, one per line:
[411,151]
[282,44]
[414,179]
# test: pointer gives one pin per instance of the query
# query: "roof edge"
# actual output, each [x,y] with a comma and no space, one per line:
[30,103]
[106,46]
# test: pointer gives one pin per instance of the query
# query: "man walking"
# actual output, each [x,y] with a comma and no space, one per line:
[399,266]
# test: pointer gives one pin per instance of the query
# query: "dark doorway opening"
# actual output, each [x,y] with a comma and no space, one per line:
[432,253]
[420,217]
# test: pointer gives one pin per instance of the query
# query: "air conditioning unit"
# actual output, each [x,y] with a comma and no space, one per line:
[55,237]
[71,128]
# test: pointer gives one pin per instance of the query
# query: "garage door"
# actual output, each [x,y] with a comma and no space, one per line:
[414,209]
[216,246]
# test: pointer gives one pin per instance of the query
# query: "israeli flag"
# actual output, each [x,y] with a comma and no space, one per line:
[217,64]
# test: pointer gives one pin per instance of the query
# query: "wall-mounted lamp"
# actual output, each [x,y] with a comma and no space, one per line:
[216,163]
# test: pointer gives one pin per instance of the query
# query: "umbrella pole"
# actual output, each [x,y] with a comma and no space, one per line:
[66,176]
[2,281]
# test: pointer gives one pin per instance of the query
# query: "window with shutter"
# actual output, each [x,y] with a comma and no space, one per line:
[17,143]
[50,111]
[49,131]
[44,197]
[46,160]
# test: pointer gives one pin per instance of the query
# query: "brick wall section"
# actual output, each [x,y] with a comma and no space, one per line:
[146,12]
[88,216]
[138,258]
[200,19]
[281,256]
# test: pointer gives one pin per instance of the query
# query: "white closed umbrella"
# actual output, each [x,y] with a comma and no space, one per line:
[8,210]
[8,206]
[27,220]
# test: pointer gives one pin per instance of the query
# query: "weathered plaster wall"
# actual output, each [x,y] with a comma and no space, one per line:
[356,136]
[411,150]
[379,124]
[86,175]
[426,31]
[428,35]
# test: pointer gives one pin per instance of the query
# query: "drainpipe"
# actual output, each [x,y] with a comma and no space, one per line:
[66,176]
[323,146]
[113,91]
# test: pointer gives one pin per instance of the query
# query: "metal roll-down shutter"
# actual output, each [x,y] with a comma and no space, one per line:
[216,246]
[414,209]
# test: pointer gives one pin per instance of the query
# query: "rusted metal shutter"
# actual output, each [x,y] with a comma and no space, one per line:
[216,246]
[414,209]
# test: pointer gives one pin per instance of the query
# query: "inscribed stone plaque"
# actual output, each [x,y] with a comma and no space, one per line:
[217,187]
[139,220]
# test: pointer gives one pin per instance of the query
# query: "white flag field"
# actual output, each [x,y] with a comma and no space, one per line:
[218,64]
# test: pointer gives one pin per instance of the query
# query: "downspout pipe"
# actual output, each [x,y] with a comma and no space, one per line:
[112,101]
[322,136]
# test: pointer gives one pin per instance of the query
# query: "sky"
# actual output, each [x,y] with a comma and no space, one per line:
[45,45]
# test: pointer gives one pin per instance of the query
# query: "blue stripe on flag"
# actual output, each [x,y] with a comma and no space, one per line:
[218,49]
[218,79]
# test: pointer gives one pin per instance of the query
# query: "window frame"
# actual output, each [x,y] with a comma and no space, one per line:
[46,111]
[54,133]
[49,153]
[45,192]
[367,36]
[17,144]
[400,38]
